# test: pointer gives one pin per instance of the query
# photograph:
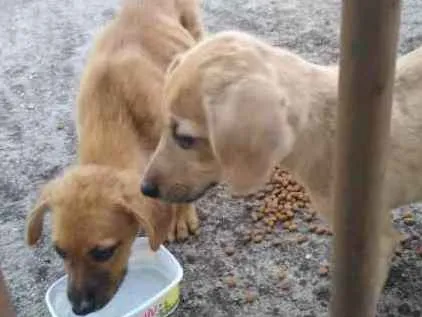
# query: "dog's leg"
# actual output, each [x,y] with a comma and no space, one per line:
[390,239]
[185,220]
[171,235]
[190,18]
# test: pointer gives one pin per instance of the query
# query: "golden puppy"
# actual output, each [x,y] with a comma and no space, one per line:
[236,107]
[96,205]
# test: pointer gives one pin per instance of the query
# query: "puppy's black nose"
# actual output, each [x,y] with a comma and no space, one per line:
[150,189]
[84,307]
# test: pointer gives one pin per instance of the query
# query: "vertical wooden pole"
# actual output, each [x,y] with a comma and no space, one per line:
[6,309]
[369,38]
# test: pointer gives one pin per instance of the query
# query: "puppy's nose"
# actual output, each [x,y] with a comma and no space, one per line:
[82,304]
[85,307]
[150,189]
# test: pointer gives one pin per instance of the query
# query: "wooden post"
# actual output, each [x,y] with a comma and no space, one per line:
[369,38]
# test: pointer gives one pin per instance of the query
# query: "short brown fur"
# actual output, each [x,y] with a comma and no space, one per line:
[97,203]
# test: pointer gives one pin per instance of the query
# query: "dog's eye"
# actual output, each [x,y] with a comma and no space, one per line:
[60,252]
[102,255]
[185,142]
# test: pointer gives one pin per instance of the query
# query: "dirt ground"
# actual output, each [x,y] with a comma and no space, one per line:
[43,44]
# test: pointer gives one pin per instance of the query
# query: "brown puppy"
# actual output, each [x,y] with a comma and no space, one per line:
[97,207]
[237,106]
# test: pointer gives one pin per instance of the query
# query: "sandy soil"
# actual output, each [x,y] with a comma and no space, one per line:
[43,45]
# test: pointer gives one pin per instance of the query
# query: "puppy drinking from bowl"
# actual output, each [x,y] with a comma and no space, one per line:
[96,205]
[237,106]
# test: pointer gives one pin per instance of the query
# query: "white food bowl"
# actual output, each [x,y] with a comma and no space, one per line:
[150,288]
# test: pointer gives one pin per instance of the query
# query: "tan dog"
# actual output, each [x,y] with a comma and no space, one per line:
[237,107]
[97,206]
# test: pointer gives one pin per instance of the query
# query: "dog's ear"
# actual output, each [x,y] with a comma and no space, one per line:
[35,219]
[153,216]
[245,132]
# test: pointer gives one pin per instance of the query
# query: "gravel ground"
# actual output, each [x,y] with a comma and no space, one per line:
[43,45]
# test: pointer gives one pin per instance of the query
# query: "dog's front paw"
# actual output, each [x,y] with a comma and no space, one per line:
[185,222]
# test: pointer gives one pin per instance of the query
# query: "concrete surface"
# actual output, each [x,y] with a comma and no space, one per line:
[43,44]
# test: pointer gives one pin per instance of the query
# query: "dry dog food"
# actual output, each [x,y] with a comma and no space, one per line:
[280,203]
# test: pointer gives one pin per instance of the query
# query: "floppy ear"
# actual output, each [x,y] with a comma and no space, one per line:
[153,216]
[35,219]
[245,128]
